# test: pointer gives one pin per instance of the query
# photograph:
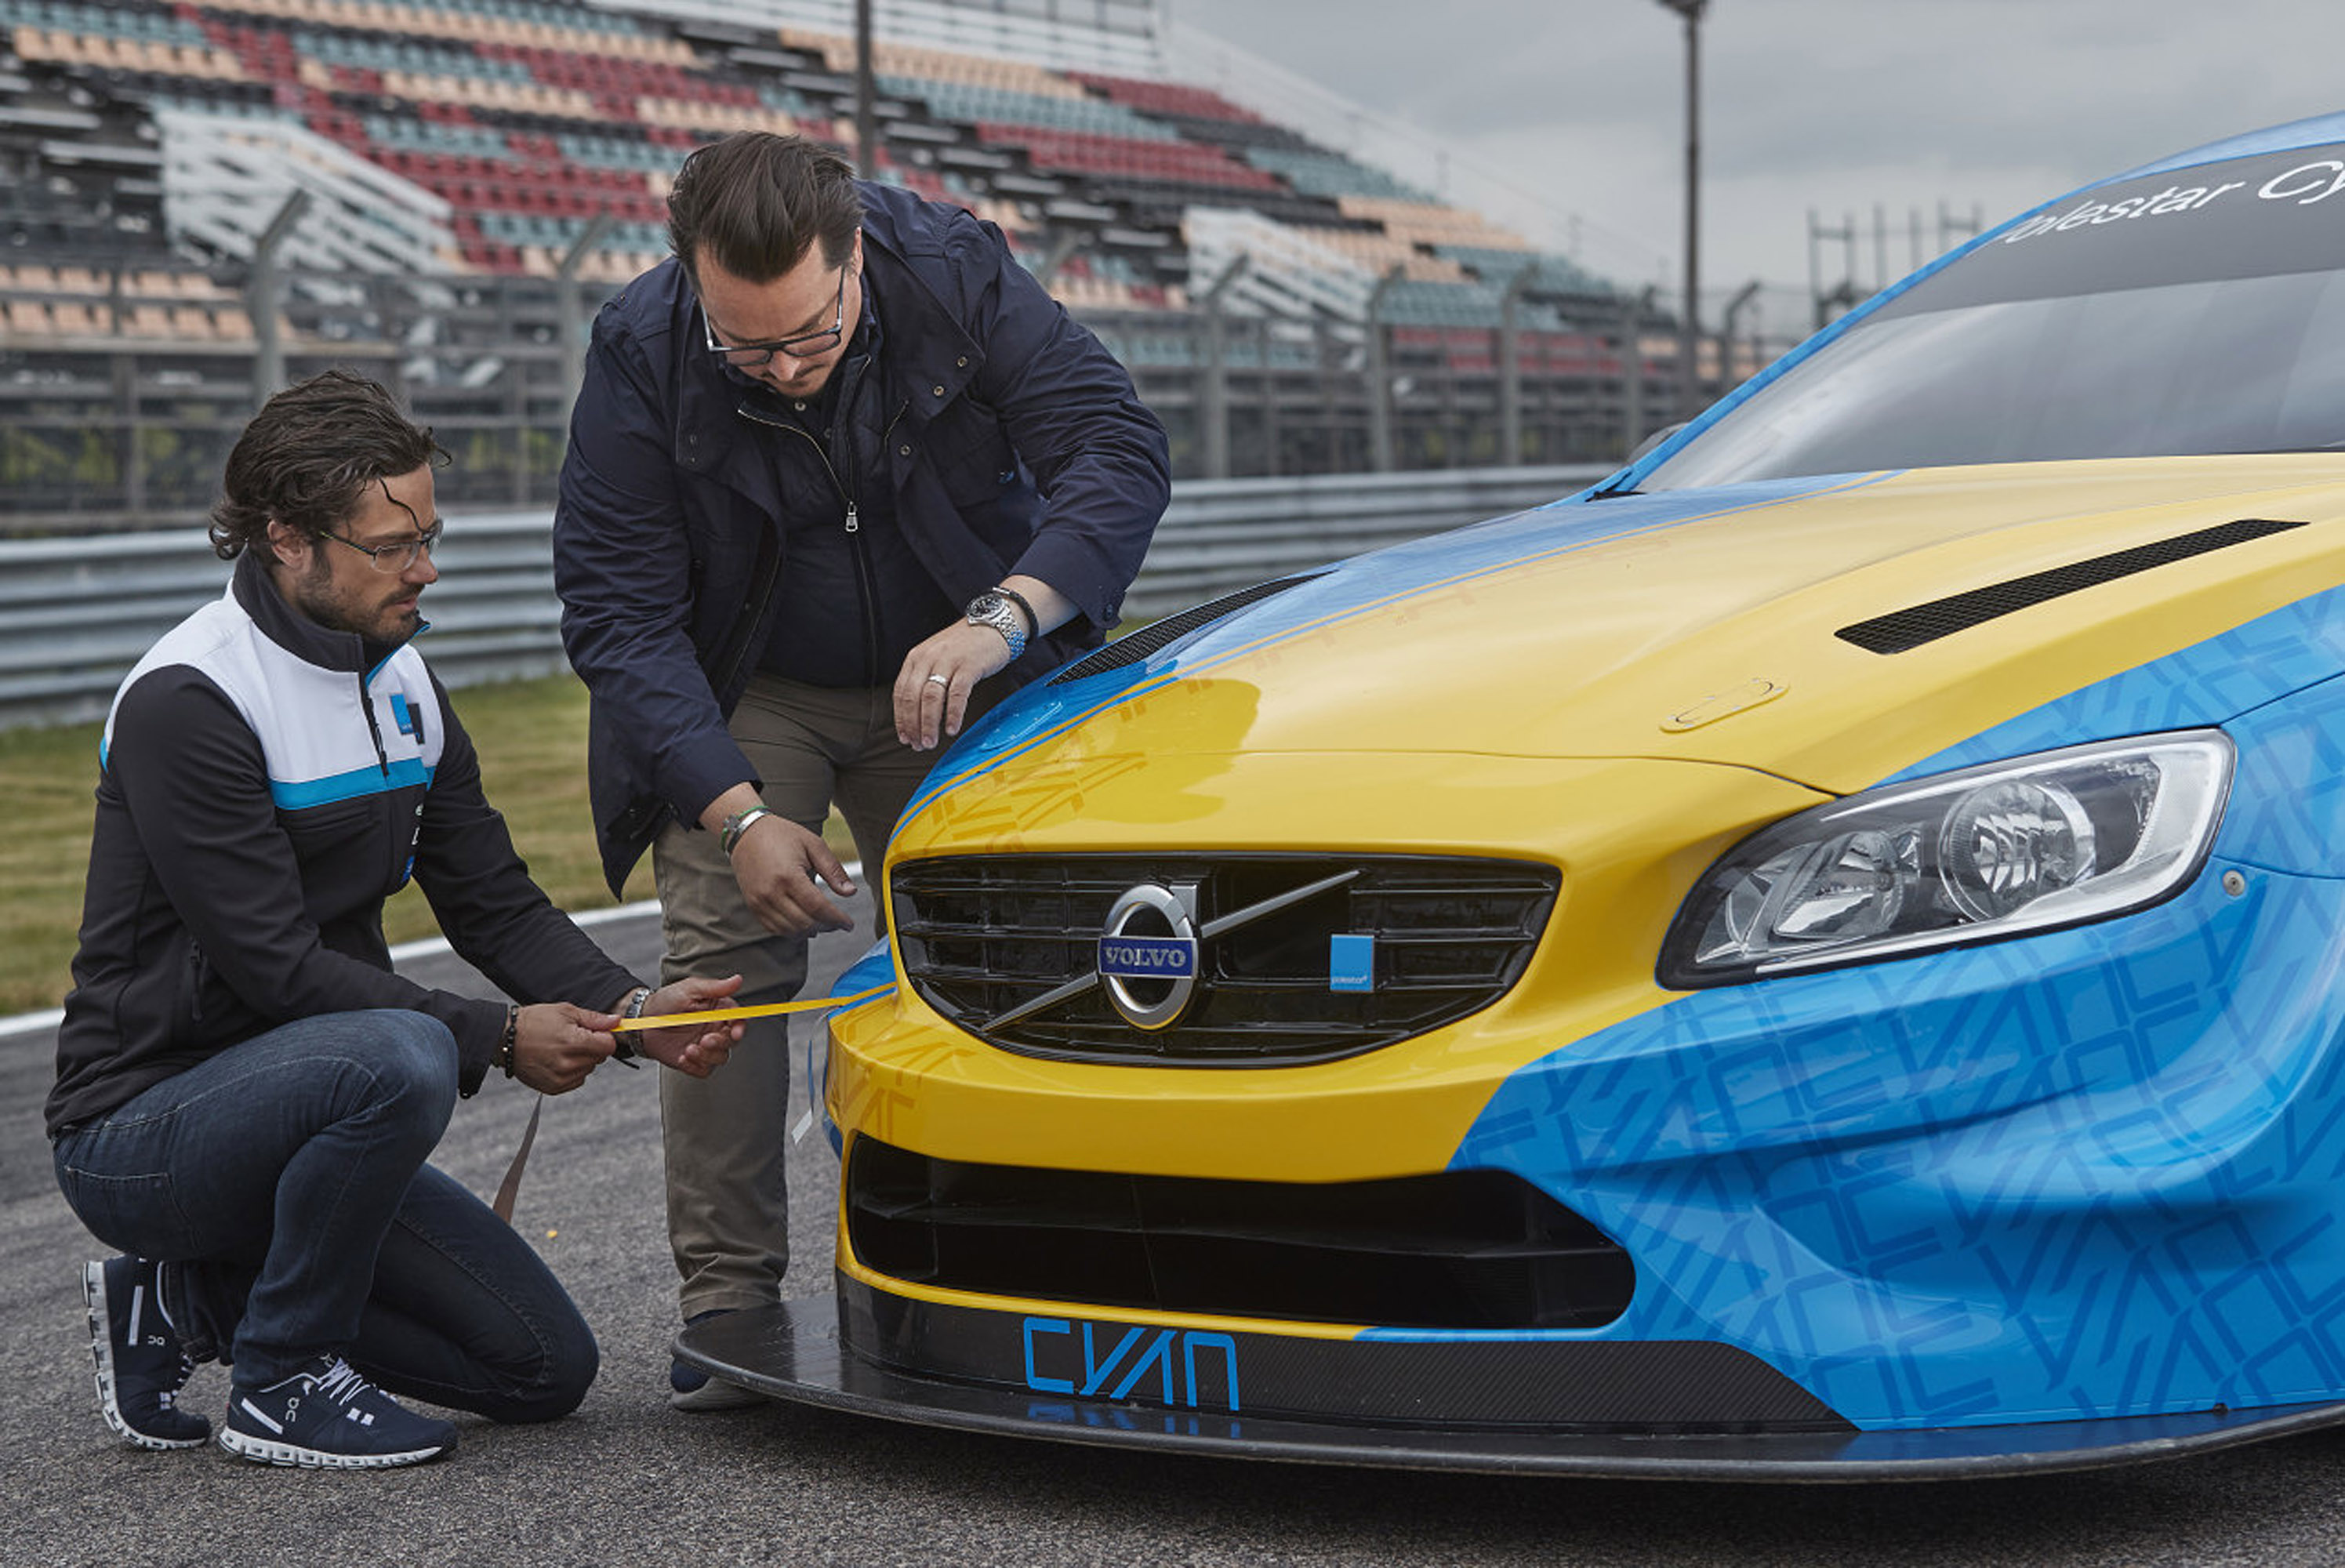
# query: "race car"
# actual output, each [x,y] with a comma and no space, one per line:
[1815,959]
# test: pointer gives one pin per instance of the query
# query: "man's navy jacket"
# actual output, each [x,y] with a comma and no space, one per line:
[1011,440]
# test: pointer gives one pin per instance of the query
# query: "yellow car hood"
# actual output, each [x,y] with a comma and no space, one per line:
[1702,627]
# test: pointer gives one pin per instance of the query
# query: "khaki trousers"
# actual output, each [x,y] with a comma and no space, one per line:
[725,1136]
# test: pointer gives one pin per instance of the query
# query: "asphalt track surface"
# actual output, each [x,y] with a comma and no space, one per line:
[627,1481]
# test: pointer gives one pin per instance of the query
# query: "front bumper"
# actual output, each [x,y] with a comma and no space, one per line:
[812,1353]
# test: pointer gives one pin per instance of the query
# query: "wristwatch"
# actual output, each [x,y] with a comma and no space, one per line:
[624,1048]
[994,608]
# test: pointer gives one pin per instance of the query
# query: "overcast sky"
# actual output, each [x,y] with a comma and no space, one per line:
[1574,109]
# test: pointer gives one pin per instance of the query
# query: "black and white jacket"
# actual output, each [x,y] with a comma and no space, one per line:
[265,783]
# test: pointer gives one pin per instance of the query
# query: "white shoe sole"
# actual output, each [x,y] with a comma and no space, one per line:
[101,1351]
[266,1450]
[713,1395]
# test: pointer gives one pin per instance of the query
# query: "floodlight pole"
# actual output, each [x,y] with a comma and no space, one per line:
[1689,323]
[867,92]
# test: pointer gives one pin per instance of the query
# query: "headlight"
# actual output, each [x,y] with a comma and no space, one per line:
[2055,839]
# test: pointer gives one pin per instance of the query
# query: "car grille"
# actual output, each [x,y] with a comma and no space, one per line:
[1457,1250]
[983,936]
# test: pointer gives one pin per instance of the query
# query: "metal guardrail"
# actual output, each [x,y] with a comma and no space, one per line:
[76,613]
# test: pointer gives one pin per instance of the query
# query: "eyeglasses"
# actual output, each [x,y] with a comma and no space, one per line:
[400,553]
[806,346]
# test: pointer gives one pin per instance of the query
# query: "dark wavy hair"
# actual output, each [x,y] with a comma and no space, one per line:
[307,454]
[755,201]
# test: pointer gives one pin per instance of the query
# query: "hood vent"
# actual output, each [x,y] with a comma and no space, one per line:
[1904,628]
[1163,633]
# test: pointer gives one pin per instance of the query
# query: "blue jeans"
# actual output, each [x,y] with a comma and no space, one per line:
[286,1178]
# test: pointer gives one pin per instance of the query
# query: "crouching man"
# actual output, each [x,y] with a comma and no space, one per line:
[246,1093]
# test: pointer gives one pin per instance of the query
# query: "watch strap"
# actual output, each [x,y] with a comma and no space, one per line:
[624,1048]
[1033,625]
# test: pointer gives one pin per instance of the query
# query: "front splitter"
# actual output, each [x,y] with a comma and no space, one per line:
[793,1352]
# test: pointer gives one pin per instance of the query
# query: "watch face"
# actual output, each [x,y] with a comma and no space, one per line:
[990,609]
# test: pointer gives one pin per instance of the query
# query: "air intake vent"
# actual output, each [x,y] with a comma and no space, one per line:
[1456,1250]
[1163,633]
[1923,623]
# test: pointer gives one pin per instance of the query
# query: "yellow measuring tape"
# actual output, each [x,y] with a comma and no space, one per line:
[764,1010]
[510,1189]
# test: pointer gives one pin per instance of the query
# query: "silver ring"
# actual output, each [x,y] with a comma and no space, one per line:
[939,680]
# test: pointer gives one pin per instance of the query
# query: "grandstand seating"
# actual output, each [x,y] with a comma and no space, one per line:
[457,156]
[836,53]
[1173,100]
[157,304]
[512,125]
[1316,172]
[970,102]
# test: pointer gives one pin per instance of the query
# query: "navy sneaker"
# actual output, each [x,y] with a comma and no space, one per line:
[690,1389]
[141,1365]
[330,1418]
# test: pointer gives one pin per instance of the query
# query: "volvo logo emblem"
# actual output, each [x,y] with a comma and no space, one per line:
[1148,954]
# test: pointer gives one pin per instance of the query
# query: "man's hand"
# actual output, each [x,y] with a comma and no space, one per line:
[932,690]
[777,863]
[696,1051]
[556,1044]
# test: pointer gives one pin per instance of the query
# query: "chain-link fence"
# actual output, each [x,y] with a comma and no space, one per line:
[114,430]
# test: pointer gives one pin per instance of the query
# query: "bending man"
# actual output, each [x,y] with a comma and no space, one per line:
[840,475]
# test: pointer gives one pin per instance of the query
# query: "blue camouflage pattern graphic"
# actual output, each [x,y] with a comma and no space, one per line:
[2209,682]
[2087,1173]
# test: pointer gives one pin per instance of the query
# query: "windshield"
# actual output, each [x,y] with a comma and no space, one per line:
[2193,312]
